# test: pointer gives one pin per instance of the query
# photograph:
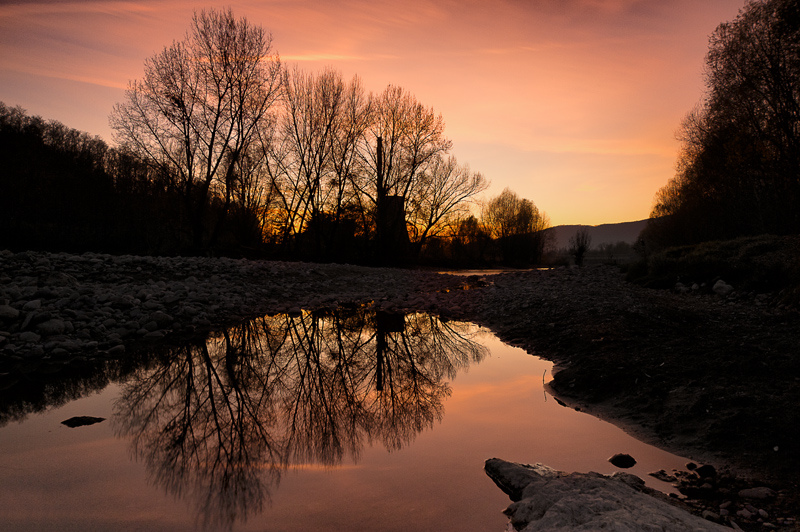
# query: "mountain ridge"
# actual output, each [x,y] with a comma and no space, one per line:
[601,234]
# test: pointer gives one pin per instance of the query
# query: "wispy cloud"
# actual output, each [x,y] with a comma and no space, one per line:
[34,8]
[311,56]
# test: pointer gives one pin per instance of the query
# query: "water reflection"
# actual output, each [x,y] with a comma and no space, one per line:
[219,421]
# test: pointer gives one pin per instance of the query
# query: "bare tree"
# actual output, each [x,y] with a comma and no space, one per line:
[198,107]
[322,121]
[442,193]
[579,244]
[311,111]
[411,136]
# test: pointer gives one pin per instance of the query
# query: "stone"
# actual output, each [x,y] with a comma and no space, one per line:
[39,317]
[35,304]
[189,311]
[722,288]
[705,492]
[123,302]
[550,500]
[760,493]
[151,305]
[161,318]
[663,476]
[706,471]
[623,461]
[7,313]
[51,327]
[513,478]
[59,279]
[36,351]
[29,337]
[82,421]
[44,293]
[117,350]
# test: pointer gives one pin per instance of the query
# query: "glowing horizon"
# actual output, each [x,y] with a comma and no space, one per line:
[572,104]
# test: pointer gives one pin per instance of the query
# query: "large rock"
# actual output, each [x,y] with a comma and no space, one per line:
[722,288]
[546,499]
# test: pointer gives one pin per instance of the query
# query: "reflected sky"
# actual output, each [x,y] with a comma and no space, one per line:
[336,421]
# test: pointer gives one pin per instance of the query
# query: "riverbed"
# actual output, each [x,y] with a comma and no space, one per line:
[710,377]
[342,420]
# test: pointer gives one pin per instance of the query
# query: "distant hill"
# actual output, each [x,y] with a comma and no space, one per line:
[601,234]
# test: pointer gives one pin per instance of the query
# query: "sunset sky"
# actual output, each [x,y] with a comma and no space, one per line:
[572,104]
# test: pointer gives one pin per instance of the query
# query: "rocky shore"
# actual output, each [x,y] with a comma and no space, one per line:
[708,375]
[548,500]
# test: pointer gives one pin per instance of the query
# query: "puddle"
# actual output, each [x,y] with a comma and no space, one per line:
[331,421]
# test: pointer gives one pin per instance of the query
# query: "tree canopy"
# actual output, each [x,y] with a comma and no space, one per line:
[517,225]
[738,172]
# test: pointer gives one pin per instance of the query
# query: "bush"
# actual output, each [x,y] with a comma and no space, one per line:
[763,263]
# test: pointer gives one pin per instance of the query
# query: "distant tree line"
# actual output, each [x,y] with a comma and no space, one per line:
[222,149]
[739,168]
[63,189]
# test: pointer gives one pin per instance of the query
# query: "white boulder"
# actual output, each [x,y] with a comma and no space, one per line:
[546,499]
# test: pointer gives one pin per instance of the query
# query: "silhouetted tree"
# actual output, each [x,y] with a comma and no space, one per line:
[517,225]
[412,136]
[579,244]
[738,171]
[221,150]
[198,107]
[312,157]
[441,198]
[63,189]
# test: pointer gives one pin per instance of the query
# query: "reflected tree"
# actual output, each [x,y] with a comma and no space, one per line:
[218,422]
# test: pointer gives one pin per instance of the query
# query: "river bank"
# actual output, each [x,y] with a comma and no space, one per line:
[703,375]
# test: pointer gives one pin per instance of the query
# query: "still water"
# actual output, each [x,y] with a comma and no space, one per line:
[335,421]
